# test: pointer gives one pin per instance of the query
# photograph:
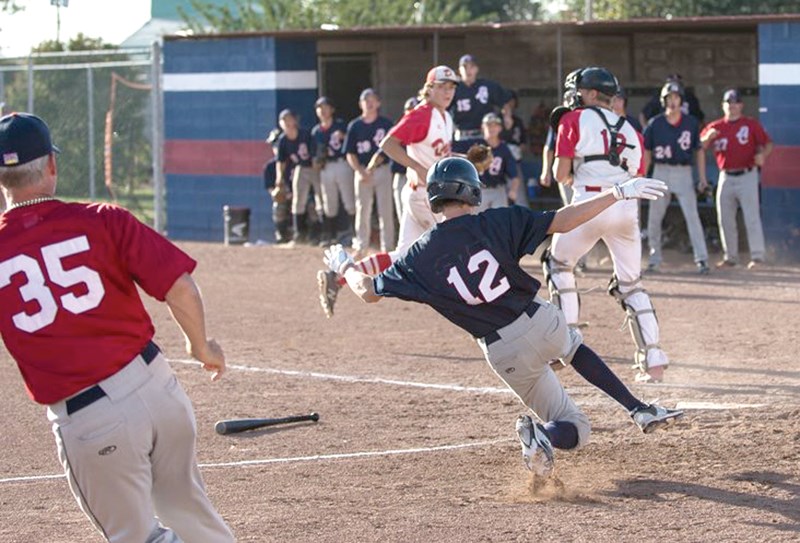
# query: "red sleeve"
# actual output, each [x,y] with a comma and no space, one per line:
[761,136]
[414,125]
[708,127]
[641,172]
[568,134]
[151,260]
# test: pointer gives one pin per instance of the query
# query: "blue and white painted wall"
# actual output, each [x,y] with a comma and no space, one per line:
[779,97]
[221,98]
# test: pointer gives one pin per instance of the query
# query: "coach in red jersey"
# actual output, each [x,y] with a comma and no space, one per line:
[741,145]
[72,319]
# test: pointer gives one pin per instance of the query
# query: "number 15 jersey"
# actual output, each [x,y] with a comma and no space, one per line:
[467,268]
[70,313]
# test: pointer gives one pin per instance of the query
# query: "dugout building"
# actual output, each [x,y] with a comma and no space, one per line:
[222,94]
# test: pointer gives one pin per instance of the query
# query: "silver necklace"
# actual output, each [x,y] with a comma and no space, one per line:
[31,202]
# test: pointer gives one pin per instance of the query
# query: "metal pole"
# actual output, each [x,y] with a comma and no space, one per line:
[559,64]
[90,106]
[157,140]
[435,47]
[30,84]
[588,14]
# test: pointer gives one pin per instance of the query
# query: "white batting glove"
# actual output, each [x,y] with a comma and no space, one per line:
[337,260]
[640,187]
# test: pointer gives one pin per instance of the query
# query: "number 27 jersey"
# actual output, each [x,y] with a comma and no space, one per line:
[467,268]
[70,312]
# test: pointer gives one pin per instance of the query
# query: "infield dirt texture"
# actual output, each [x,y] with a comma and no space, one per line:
[416,438]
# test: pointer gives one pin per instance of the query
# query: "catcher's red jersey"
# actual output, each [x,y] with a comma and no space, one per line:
[735,145]
[70,313]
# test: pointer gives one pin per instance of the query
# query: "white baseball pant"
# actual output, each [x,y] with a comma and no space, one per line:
[303,179]
[680,183]
[377,190]
[336,179]
[732,192]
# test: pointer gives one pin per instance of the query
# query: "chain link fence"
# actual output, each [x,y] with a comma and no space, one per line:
[100,109]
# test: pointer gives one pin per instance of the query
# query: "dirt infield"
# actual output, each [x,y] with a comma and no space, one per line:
[416,440]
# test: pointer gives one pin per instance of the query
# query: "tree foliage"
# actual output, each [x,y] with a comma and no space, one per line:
[636,9]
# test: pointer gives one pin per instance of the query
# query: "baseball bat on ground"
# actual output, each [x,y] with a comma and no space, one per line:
[234,426]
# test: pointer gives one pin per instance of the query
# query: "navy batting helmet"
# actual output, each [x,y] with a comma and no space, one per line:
[669,88]
[597,78]
[453,178]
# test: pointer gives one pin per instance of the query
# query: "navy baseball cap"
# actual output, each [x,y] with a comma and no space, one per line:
[285,113]
[465,59]
[323,100]
[23,138]
[366,93]
[732,95]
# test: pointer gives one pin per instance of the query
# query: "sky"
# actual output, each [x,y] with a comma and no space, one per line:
[111,20]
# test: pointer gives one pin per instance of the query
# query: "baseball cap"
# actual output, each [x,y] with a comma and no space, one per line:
[492,118]
[323,100]
[438,74]
[367,92]
[23,138]
[285,113]
[732,95]
[411,103]
[621,93]
[465,59]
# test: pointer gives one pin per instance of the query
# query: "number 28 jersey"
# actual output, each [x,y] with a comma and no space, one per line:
[467,268]
[70,313]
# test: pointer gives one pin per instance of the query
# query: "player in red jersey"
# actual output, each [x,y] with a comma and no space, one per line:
[417,141]
[740,146]
[72,319]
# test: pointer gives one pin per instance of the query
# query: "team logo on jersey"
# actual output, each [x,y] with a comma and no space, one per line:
[302,150]
[497,166]
[685,140]
[441,147]
[743,135]
[483,95]
[379,135]
[9,159]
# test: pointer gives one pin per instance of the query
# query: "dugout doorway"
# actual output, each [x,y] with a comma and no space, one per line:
[342,78]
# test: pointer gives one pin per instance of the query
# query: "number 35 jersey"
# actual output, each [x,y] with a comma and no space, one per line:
[70,312]
[467,268]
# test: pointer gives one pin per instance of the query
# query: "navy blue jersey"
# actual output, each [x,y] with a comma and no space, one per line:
[363,139]
[690,106]
[471,103]
[396,167]
[270,175]
[467,268]
[332,138]
[504,165]
[298,151]
[550,139]
[672,144]
[516,134]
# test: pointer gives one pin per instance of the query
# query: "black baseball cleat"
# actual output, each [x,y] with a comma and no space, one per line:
[652,417]
[328,290]
[702,267]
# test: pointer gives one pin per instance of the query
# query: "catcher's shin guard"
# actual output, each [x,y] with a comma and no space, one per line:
[563,290]
[641,318]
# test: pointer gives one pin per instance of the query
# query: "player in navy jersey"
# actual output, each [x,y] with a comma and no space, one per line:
[474,98]
[619,105]
[671,139]
[690,105]
[335,175]
[467,269]
[373,179]
[515,136]
[281,201]
[296,149]
[496,190]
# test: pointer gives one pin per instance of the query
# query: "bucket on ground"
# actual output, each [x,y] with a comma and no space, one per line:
[237,225]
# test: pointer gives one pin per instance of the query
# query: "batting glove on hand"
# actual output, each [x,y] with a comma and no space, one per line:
[640,187]
[337,260]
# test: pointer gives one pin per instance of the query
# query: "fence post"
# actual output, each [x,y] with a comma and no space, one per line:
[30,84]
[157,140]
[90,106]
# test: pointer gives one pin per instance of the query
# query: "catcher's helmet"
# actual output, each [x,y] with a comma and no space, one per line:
[669,88]
[598,79]
[454,178]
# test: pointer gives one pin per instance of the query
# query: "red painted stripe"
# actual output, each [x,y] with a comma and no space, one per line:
[782,168]
[210,157]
